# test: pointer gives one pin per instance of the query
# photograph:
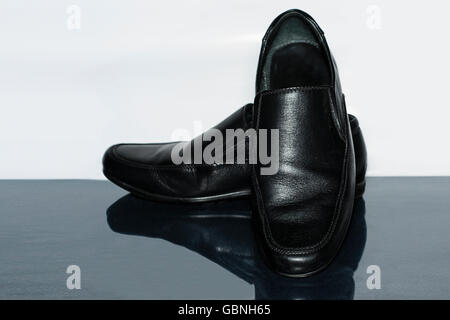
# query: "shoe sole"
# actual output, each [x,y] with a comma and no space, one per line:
[360,187]
[158,197]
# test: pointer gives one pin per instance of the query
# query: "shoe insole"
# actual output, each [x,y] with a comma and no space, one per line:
[298,64]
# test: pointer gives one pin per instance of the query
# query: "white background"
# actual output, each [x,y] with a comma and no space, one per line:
[144,71]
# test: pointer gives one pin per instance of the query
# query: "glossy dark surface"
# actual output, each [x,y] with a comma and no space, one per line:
[134,249]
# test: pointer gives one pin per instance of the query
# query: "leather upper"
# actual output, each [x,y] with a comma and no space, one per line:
[300,200]
[149,168]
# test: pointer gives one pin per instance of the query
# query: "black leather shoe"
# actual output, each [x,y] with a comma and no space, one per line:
[222,232]
[147,170]
[304,210]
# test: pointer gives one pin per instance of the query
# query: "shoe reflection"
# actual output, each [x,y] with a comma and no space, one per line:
[222,232]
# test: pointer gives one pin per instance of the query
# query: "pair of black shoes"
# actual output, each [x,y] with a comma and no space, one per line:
[303,209]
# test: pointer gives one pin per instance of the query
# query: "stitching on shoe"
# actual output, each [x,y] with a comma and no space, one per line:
[291,89]
[166,166]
